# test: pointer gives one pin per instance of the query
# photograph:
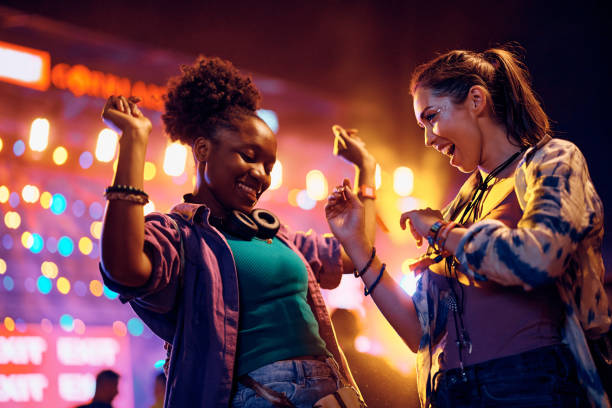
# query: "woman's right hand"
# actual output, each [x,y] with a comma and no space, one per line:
[123,116]
[345,215]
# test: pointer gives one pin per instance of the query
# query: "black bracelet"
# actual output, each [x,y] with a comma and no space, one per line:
[119,188]
[361,272]
[366,290]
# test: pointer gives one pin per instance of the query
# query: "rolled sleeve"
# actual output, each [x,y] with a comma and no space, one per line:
[161,245]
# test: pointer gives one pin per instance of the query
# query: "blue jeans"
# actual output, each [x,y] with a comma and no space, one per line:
[304,382]
[545,377]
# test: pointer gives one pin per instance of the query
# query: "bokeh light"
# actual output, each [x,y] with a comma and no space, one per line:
[378,176]
[149,171]
[65,246]
[106,145]
[46,325]
[13,199]
[2,266]
[9,323]
[78,208]
[66,322]
[149,207]
[60,155]
[270,117]
[30,193]
[26,239]
[96,229]
[135,326]
[316,185]
[175,159]
[37,244]
[19,148]
[119,328]
[96,210]
[12,220]
[304,201]
[58,204]
[45,200]
[4,194]
[79,326]
[63,285]
[409,283]
[9,283]
[403,181]
[85,245]
[96,288]
[109,293]
[276,175]
[39,134]
[44,284]
[7,241]
[86,160]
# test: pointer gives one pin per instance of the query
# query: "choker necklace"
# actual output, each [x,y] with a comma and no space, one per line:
[456,300]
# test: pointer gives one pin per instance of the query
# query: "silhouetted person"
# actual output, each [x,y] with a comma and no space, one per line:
[381,385]
[107,388]
[159,390]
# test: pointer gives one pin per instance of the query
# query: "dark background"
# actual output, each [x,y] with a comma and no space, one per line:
[363,52]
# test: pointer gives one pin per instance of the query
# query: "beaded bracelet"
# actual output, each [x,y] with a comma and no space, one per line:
[432,236]
[120,195]
[366,290]
[120,188]
[365,268]
[443,235]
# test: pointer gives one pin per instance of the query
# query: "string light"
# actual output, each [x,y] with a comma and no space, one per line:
[39,134]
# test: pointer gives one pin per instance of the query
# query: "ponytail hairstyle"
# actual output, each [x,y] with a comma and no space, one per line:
[503,75]
[209,94]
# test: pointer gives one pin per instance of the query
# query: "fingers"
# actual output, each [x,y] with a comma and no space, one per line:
[339,142]
[405,217]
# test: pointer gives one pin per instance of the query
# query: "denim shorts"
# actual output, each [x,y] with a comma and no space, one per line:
[304,382]
[544,377]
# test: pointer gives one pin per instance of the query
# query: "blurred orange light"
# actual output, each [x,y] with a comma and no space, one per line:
[96,288]
[149,171]
[2,266]
[175,159]
[12,220]
[403,181]
[316,185]
[119,328]
[1,144]
[24,66]
[4,194]
[85,245]
[96,229]
[45,199]
[49,269]
[27,240]
[63,285]
[60,155]
[9,323]
[106,145]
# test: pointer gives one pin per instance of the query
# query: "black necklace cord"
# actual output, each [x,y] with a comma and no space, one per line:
[452,276]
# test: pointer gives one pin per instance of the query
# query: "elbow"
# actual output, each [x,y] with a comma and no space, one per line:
[127,272]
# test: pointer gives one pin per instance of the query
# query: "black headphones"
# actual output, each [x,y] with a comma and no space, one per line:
[260,223]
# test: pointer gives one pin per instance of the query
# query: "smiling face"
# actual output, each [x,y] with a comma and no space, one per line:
[449,128]
[238,167]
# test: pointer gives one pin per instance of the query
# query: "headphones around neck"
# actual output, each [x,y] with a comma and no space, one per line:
[260,223]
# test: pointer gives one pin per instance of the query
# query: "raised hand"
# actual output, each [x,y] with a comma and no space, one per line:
[123,116]
[345,214]
[350,146]
[420,221]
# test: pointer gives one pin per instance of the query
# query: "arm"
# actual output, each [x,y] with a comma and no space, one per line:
[122,239]
[349,146]
[346,217]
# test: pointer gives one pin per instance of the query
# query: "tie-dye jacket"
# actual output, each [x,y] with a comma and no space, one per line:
[557,239]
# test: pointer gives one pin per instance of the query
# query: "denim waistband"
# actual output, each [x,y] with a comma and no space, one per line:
[291,370]
[549,359]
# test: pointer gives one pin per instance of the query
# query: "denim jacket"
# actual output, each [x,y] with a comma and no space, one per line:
[198,312]
[557,239]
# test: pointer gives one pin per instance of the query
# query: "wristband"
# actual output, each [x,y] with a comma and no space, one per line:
[367,192]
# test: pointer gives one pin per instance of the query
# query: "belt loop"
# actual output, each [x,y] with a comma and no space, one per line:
[300,376]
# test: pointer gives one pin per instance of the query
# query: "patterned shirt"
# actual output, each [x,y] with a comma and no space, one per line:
[558,239]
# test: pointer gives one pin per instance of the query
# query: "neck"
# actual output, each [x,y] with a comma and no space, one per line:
[496,149]
[203,195]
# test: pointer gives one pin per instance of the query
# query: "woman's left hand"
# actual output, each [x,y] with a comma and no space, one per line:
[420,222]
[350,146]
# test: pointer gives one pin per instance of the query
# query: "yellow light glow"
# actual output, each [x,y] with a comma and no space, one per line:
[403,181]
[27,240]
[45,199]
[63,285]
[2,266]
[149,171]
[175,159]
[277,175]
[85,245]
[149,207]
[316,185]
[96,288]
[106,145]
[292,197]
[49,269]
[24,66]
[9,323]
[1,144]
[39,134]
[4,194]
[96,229]
[30,193]
[406,266]
[378,176]
[12,220]
[60,155]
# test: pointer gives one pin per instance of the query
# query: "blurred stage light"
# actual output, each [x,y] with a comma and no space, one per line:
[119,328]
[109,293]
[30,193]
[9,283]
[9,323]
[405,204]
[95,287]
[106,145]
[19,148]
[96,210]
[12,220]
[378,176]
[67,322]
[316,185]
[39,134]
[304,201]
[406,266]
[149,207]
[80,288]
[49,269]
[24,66]
[60,155]
[135,326]
[78,208]
[13,199]
[403,181]
[1,144]
[292,197]
[276,175]
[46,325]
[2,266]
[30,285]
[4,194]
[409,283]
[85,245]
[363,344]
[58,204]
[7,241]
[149,171]
[52,245]
[270,117]
[96,229]
[159,364]
[37,244]
[26,239]
[85,160]
[79,327]
[63,285]
[65,246]
[44,284]
[45,200]
[175,159]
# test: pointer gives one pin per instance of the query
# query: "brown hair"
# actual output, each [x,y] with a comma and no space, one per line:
[209,94]
[503,74]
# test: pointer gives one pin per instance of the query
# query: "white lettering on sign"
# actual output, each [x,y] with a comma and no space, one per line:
[76,387]
[22,387]
[95,351]
[22,350]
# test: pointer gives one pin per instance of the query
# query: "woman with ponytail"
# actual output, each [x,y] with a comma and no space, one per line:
[511,285]
[234,293]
